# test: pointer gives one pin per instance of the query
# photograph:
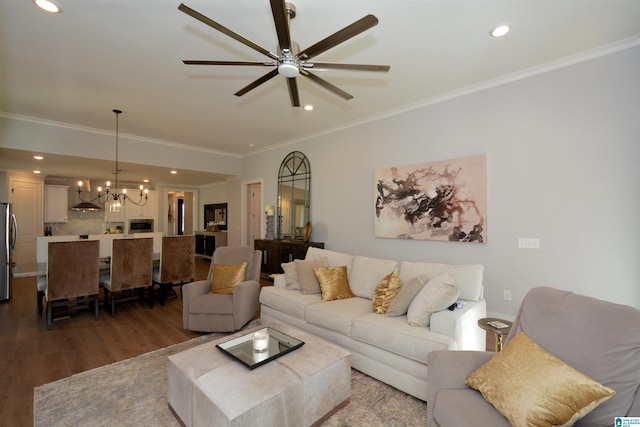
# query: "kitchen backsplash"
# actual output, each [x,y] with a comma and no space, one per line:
[84,223]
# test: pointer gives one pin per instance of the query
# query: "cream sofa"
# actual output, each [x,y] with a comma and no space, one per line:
[386,348]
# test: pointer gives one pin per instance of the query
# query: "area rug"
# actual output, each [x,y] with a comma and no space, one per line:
[133,393]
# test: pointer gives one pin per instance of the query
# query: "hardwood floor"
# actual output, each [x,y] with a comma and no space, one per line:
[31,355]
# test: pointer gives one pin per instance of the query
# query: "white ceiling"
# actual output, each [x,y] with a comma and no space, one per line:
[76,66]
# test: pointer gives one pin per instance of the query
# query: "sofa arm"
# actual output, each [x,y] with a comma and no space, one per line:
[189,291]
[448,369]
[462,325]
[245,302]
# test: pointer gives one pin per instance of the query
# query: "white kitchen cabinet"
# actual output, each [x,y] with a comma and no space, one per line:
[56,203]
[146,211]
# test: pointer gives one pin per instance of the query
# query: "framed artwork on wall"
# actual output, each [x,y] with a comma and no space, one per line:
[444,200]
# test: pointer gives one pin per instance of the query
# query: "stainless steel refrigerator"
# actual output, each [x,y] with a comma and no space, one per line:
[9,234]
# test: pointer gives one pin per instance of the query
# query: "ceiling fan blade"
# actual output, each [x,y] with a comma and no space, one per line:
[339,66]
[257,83]
[338,37]
[213,24]
[264,64]
[293,92]
[325,84]
[279,11]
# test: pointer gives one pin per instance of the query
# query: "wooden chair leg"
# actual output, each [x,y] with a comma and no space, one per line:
[40,296]
[113,305]
[151,296]
[97,306]
[49,316]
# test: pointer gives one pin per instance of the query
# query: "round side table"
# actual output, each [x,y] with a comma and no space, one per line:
[499,333]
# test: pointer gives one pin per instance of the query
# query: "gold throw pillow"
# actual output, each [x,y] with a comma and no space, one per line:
[385,292]
[334,283]
[532,387]
[226,276]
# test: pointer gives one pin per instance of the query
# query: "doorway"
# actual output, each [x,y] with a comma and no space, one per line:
[180,209]
[26,195]
[254,212]
[180,213]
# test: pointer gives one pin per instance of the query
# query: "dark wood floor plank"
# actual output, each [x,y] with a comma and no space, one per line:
[32,355]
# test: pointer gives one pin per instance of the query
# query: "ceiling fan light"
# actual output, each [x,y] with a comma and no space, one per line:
[287,69]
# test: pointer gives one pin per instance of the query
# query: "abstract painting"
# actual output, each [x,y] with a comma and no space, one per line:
[443,200]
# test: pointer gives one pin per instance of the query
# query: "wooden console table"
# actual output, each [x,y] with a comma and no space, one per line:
[276,252]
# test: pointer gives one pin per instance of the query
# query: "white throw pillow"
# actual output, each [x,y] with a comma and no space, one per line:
[400,303]
[291,275]
[438,294]
[366,273]
[468,277]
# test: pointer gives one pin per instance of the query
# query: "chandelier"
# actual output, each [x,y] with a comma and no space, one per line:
[111,196]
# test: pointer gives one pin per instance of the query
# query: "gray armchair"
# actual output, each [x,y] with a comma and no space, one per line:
[598,338]
[204,311]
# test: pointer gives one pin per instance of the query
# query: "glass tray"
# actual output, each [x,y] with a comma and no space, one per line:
[241,348]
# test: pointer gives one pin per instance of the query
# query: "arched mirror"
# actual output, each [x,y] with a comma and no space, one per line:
[294,195]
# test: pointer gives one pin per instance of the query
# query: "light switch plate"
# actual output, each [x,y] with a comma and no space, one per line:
[528,243]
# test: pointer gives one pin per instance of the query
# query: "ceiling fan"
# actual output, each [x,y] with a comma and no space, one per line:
[289,62]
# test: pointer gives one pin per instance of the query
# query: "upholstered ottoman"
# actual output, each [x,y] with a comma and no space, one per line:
[205,386]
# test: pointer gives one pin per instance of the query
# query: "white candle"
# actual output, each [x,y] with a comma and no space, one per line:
[261,341]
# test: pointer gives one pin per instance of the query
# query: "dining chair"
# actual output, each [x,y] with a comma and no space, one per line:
[72,275]
[131,271]
[177,264]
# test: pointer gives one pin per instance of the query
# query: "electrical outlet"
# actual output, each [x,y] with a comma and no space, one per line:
[528,243]
[507,295]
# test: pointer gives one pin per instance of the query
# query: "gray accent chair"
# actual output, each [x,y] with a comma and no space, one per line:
[598,338]
[204,311]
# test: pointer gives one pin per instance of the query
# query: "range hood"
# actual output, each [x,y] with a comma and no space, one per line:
[86,207]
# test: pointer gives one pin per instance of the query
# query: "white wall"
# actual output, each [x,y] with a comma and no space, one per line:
[562,164]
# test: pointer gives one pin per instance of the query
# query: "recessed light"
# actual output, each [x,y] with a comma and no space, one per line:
[37,172]
[48,5]
[308,107]
[500,30]
[145,180]
[38,157]
[174,172]
[252,145]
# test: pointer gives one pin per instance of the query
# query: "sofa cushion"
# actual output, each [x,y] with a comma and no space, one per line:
[438,294]
[530,386]
[334,258]
[291,275]
[407,292]
[291,302]
[366,273]
[338,315]
[468,277]
[395,335]
[334,283]
[226,276]
[385,292]
[477,411]
[308,280]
